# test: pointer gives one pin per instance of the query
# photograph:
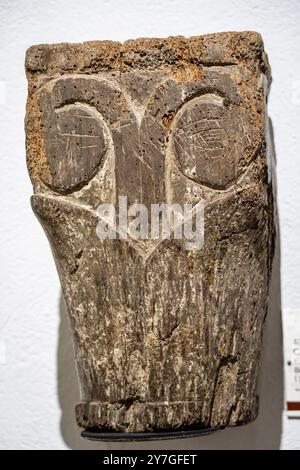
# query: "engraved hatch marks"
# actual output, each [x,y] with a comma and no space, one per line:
[75,145]
[78,115]
[207,140]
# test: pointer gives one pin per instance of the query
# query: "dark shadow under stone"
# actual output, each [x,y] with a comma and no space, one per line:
[143,436]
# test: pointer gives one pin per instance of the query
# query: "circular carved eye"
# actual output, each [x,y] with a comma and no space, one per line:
[209,141]
[74,143]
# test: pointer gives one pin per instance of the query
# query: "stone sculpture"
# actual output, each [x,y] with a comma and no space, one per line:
[166,339]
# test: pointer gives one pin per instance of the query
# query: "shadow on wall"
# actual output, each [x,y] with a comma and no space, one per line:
[264,433]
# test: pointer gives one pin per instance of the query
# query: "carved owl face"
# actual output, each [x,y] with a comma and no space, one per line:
[153,127]
[164,337]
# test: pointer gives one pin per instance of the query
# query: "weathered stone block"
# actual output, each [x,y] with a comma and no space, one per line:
[165,338]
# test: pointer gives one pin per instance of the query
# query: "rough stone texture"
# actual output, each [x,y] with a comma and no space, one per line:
[165,338]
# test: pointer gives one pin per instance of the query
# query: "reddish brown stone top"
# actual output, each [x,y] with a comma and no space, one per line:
[228,48]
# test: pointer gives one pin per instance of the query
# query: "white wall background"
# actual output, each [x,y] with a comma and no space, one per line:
[37,383]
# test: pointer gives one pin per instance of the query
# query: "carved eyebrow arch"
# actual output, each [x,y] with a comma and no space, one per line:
[222,86]
[138,111]
[94,78]
[218,63]
[100,79]
[218,99]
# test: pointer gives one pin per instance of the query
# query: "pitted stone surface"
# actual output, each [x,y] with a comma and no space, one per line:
[165,338]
